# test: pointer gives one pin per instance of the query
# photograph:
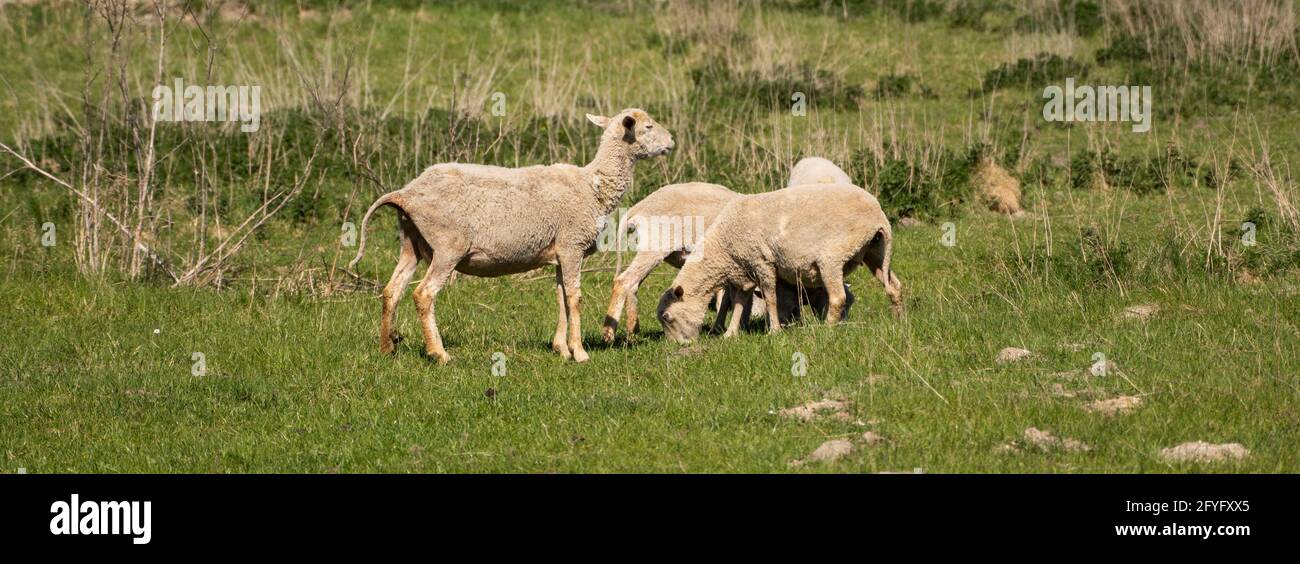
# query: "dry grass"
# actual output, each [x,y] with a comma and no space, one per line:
[1213,32]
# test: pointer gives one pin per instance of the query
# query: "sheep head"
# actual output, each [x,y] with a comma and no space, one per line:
[680,315]
[643,135]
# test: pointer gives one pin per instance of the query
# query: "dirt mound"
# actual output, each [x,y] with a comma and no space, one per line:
[1114,406]
[1141,312]
[1201,451]
[1042,441]
[829,451]
[817,409]
[1046,441]
[1012,354]
[997,187]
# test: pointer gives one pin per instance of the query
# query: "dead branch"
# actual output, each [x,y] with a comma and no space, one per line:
[139,245]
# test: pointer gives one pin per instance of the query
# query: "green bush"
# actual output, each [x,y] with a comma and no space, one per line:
[907,188]
[717,79]
[1276,248]
[1124,49]
[1035,72]
[893,85]
[1141,176]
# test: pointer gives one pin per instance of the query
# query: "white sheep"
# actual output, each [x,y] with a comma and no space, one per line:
[809,170]
[668,225]
[817,170]
[493,221]
[811,235]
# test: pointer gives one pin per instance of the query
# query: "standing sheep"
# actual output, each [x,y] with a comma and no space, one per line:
[493,221]
[810,234]
[790,299]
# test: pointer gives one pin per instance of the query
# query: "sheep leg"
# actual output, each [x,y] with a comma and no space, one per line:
[877,258]
[893,289]
[848,302]
[426,294]
[407,260]
[767,284]
[741,314]
[626,285]
[833,280]
[789,303]
[571,272]
[724,305]
[562,325]
[748,310]
[633,324]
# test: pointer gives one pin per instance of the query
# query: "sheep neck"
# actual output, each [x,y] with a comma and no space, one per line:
[612,169]
[701,279]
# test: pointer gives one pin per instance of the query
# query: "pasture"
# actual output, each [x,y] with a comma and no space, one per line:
[250,348]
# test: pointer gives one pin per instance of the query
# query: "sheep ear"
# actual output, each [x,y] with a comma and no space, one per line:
[600,121]
[679,292]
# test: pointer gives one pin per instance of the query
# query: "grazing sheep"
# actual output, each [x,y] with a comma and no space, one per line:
[811,234]
[668,225]
[492,221]
[817,170]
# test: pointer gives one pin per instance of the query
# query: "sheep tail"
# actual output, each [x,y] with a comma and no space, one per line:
[391,198]
[882,246]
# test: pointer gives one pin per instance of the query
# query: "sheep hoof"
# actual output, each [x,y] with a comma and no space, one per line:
[442,358]
[607,334]
[580,356]
[562,349]
[387,345]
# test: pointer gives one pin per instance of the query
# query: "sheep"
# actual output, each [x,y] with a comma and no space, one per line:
[668,224]
[700,202]
[817,170]
[809,170]
[813,234]
[493,221]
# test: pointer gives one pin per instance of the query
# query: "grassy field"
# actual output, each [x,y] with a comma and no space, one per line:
[97,367]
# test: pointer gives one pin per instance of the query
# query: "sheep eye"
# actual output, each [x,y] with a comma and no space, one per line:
[648,127]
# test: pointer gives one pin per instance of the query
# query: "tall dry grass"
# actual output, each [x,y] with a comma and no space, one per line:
[1210,32]
[380,142]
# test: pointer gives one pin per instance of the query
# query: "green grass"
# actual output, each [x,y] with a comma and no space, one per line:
[294,380]
[298,385]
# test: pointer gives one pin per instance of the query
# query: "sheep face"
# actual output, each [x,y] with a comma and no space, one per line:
[645,137]
[680,318]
